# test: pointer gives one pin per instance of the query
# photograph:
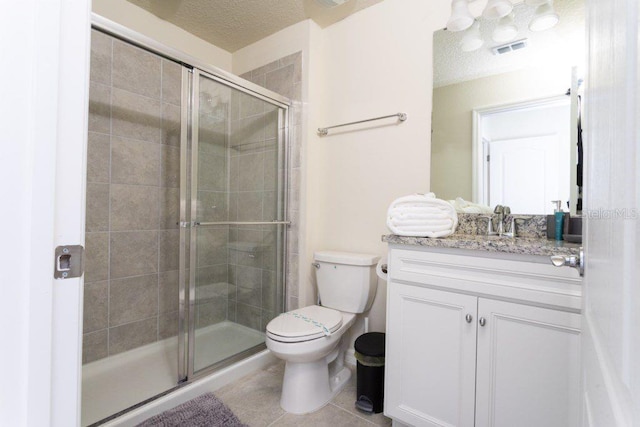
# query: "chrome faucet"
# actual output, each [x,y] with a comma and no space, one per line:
[499,210]
[503,212]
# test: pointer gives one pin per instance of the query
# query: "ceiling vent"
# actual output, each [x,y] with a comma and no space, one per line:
[509,47]
[330,3]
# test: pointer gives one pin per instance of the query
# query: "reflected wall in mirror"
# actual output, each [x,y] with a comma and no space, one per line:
[504,126]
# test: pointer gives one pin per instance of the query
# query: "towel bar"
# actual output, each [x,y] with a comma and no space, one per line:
[324,131]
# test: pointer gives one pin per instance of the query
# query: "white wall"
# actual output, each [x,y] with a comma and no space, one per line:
[376,62]
[138,19]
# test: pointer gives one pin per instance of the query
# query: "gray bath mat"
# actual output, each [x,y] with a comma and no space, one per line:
[203,411]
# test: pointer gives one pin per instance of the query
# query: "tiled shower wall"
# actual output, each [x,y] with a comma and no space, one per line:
[133,164]
[132,239]
[284,76]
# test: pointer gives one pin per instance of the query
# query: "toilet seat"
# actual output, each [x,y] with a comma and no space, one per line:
[304,324]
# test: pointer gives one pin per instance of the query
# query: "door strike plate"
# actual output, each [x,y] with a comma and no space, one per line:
[69,262]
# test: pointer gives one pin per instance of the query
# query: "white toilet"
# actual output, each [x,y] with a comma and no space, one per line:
[312,339]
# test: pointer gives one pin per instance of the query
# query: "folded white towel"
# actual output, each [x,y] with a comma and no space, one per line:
[422,215]
[464,206]
[428,223]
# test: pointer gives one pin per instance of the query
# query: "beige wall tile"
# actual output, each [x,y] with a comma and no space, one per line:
[94,346]
[96,306]
[271,296]
[250,105]
[169,250]
[212,274]
[132,335]
[98,157]
[212,172]
[99,108]
[96,259]
[265,69]
[281,81]
[252,172]
[248,130]
[134,162]
[134,207]
[212,206]
[211,312]
[132,299]
[170,166]
[100,58]
[212,246]
[171,82]
[249,316]
[171,124]
[135,116]
[97,207]
[133,253]
[136,70]
[168,297]
[169,207]
[250,205]
[168,325]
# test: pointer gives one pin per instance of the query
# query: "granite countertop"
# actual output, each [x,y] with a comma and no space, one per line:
[519,245]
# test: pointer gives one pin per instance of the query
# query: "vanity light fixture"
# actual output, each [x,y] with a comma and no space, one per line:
[496,9]
[544,18]
[461,18]
[472,40]
[506,30]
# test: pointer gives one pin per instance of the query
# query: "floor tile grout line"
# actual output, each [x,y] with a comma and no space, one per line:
[351,413]
[277,419]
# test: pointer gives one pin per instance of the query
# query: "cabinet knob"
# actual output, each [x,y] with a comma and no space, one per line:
[468,318]
[482,321]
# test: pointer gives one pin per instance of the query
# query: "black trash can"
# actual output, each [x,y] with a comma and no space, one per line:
[370,372]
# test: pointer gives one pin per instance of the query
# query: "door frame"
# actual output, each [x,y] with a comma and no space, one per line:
[479,171]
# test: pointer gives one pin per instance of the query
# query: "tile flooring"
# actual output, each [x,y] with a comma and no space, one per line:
[255,399]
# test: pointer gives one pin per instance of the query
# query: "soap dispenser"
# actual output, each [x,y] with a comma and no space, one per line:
[559,219]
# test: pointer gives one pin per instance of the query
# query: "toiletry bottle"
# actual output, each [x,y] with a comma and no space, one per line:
[559,216]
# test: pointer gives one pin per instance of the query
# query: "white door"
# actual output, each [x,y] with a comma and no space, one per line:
[44,111]
[528,371]
[525,160]
[512,164]
[431,357]
[611,309]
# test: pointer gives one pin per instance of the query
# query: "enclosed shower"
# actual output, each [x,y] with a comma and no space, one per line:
[186,223]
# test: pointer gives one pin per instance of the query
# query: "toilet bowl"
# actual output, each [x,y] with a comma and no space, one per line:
[314,369]
[312,340]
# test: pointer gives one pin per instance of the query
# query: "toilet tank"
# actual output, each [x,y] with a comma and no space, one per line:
[346,281]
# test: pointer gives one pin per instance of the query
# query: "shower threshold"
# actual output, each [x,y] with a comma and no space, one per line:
[117,383]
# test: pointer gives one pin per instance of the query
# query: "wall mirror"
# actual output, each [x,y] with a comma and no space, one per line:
[505,113]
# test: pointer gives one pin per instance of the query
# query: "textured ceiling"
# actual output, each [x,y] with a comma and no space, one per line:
[560,46]
[234,24]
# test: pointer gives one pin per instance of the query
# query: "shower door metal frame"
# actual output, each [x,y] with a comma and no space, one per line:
[283,191]
[192,66]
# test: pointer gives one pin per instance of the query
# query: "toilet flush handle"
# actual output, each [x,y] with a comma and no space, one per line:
[316,264]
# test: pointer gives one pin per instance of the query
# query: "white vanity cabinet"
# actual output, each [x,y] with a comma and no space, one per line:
[479,341]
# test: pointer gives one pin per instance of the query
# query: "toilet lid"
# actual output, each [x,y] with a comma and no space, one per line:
[305,324]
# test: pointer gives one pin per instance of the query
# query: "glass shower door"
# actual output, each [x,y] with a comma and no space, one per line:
[238,228]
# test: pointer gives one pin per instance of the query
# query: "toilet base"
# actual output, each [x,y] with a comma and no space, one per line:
[308,387]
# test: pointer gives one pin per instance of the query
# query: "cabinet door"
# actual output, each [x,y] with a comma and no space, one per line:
[430,356]
[528,371]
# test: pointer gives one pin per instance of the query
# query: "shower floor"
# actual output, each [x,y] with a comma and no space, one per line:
[118,382]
